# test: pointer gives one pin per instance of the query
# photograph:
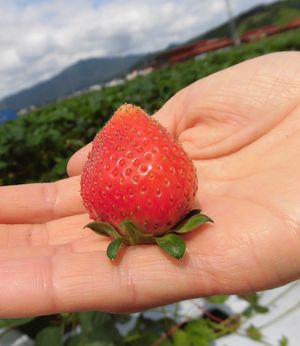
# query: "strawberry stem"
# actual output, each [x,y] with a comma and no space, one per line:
[171,243]
[103,228]
[134,235]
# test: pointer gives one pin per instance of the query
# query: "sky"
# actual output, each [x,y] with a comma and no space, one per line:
[39,38]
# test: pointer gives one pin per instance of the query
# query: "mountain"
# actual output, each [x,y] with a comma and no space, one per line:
[76,77]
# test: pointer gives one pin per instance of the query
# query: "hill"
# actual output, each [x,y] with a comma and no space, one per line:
[76,77]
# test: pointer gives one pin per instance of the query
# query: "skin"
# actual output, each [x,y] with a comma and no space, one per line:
[241,127]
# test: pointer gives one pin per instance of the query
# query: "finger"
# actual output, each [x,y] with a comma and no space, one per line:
[77,161]
[89,281]
[228,110]
[143,278]
[88,243]
[54,232]
[219,260]
[37,203]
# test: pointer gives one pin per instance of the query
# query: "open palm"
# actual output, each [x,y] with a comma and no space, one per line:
[241,127]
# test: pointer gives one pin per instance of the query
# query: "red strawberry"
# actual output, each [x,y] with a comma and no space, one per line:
[137,172]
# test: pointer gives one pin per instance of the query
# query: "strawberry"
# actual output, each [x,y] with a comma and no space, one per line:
[138,184]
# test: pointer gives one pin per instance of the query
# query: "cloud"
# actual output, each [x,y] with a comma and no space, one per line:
[40,38]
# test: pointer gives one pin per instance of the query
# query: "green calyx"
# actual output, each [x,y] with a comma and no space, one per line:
[172,242]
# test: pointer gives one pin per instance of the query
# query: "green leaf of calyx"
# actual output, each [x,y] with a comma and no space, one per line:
[113,248]
[187,216]
[133,235]
[103,228]
[172,244]
[192,222]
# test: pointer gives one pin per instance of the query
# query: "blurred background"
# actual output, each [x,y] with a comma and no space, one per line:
[65,66]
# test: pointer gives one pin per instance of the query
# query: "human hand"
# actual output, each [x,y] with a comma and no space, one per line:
[241,127]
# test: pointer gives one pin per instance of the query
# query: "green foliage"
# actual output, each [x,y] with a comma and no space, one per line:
[283,341]
[195,333]
[220,299]
[148,332]
[255,306]
[49,336]
[254,333]
[13,322]
[98,329]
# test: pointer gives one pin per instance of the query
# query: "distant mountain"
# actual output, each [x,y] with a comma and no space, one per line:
[76,77]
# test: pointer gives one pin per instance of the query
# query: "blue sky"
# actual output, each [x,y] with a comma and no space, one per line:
[39,38]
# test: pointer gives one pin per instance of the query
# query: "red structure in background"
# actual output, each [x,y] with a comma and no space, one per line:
[191,50]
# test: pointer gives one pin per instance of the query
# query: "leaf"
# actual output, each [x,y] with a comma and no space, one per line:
[133,235]
[192,223]
[187,216]
[261,309]
[196,332]
[252,298]
[113,248]
[172,244]
[74,340]
[99,329]
[14,322]
[132,232]
[91,320]
[219,299]
[199,330]
[3,164]
[181,338]
[49,336]
[254,333]
[103,228]
[283,341]
[147,332]
[60,167]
